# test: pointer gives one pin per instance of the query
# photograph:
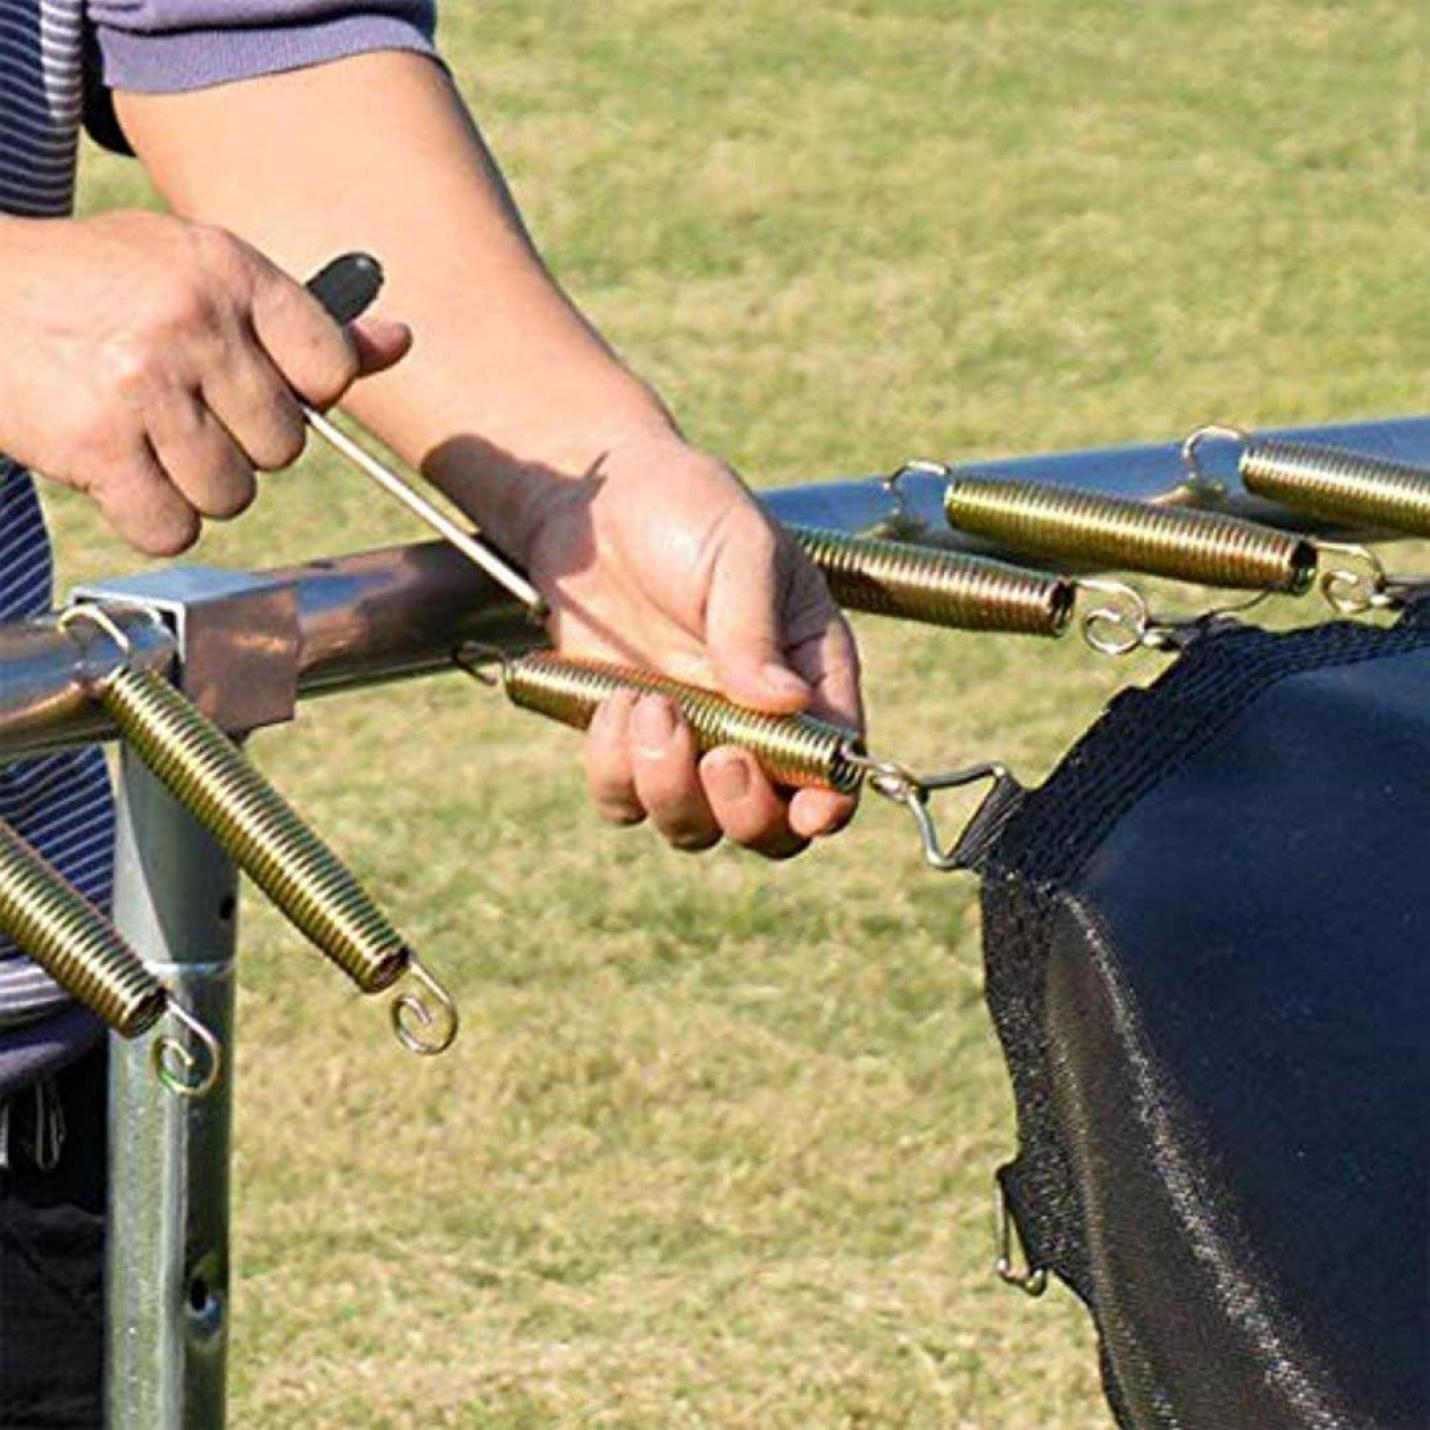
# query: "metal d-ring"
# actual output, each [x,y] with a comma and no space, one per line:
[900,785]
[414,1021]
[175,1064]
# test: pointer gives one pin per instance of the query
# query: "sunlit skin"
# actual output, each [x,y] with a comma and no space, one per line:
[152,364]
[180,346]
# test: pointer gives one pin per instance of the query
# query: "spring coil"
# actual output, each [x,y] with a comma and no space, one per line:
[1339,486]
[942,588]
[65,934]
[206,772]
[1184,543]
[794,750]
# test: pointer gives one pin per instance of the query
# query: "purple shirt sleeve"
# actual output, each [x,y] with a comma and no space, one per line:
[160,46]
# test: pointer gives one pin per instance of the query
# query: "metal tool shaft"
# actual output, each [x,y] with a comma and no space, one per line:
[346,288]
[496,566]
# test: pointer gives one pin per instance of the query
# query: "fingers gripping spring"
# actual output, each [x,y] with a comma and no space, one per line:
[794,750]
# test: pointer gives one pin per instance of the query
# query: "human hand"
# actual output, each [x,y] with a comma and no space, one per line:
[660,557]
[153,364]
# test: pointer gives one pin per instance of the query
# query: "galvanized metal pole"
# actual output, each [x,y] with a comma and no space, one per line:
[176,899]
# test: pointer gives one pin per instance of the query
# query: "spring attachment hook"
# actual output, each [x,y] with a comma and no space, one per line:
[796,751]
[903,523]
[1029,1279]
[55,925]
[419,1028]
[184,1073]
[207,773]
[1335,486]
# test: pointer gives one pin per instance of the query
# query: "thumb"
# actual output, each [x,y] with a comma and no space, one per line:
[379,343]
[744,623]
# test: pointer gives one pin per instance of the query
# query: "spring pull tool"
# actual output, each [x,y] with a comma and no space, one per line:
[1335,485]
[49,920]
[346,288]
[207,773]
[1186,543]
[795,751]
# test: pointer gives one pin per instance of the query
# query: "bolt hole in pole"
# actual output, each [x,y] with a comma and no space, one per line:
[205,1302]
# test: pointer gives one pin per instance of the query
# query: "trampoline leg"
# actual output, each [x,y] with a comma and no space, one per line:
[175,899]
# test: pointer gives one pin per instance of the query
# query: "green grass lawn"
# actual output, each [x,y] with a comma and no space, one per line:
[715,1147]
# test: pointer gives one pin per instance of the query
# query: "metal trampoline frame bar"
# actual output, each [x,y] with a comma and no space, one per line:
[248,648]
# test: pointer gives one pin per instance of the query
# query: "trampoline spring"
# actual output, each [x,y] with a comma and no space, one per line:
[1326,482]
[1181,542]
[207,773]
[1185,543]
[952,588]
[941,588]
[795,751]
[51,922]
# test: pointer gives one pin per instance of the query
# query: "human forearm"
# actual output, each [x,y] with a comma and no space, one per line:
[506,377]
[647,551]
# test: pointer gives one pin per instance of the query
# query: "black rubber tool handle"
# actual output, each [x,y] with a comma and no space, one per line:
[347,286]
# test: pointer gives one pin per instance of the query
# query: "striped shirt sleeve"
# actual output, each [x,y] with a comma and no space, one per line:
[164,46]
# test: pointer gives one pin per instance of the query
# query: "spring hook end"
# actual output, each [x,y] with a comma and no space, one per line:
[103,621]
[182,1072]
[419,1029]
[902,524]
[1360,584]
[486,664]
[1121,623]
[1029,1279]
[1194,479]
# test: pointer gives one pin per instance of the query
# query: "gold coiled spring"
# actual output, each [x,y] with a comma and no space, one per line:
[1183,543]
[942,588]
[796,751]
[49,920]
[208,774]
[1333,484]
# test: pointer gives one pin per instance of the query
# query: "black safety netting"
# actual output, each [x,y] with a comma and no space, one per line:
[1208,960]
